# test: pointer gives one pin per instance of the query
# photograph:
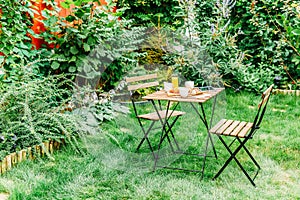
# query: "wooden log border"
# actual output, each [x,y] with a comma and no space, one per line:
[11,160]
[287,92]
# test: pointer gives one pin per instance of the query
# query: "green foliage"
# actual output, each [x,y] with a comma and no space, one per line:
[87,41]
[68,3]
[258,78]
[242,37]
[79,36]
[267,36]
[103,111]
[32,110]
[151,12]
[95,43]
[205,37]
[15,27]
[250,43]
[289,27]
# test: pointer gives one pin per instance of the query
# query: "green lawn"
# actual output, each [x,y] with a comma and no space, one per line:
[100,174]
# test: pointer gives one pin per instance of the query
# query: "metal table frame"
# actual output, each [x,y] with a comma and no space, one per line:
[200,99]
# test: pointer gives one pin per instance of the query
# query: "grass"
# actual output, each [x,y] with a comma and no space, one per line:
[276,147]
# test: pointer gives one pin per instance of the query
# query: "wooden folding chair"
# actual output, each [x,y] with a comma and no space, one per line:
[241,132]
[160,115]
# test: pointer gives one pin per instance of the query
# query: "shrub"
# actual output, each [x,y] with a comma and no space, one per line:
[15,36]
[88,41]
[33,110]
[268,36]
[94,42]
[151,12]
[213,47]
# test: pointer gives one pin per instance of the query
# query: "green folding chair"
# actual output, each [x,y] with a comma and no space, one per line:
[161,116]
[241,132]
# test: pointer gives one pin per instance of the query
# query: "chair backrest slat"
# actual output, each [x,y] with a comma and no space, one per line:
[140,78]
[142,85]
[141,82]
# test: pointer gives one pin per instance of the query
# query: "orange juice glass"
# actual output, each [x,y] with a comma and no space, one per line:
[175,82]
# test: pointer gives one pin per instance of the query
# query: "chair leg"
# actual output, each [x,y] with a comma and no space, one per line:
[250,155]
[171,132]
[233,156]
[164,122]
[168,138]
[205,154]
[170,142]
[164,135]
[146,137]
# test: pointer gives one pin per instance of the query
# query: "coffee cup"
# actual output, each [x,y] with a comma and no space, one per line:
[168,86]
[189,84]
[183,91]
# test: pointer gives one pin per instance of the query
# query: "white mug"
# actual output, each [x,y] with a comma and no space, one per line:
[168,86]
[183,91]
[189,84]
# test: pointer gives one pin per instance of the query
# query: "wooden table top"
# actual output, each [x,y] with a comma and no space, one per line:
[200,98]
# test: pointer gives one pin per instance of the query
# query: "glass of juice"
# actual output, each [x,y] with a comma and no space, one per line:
[175,82]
